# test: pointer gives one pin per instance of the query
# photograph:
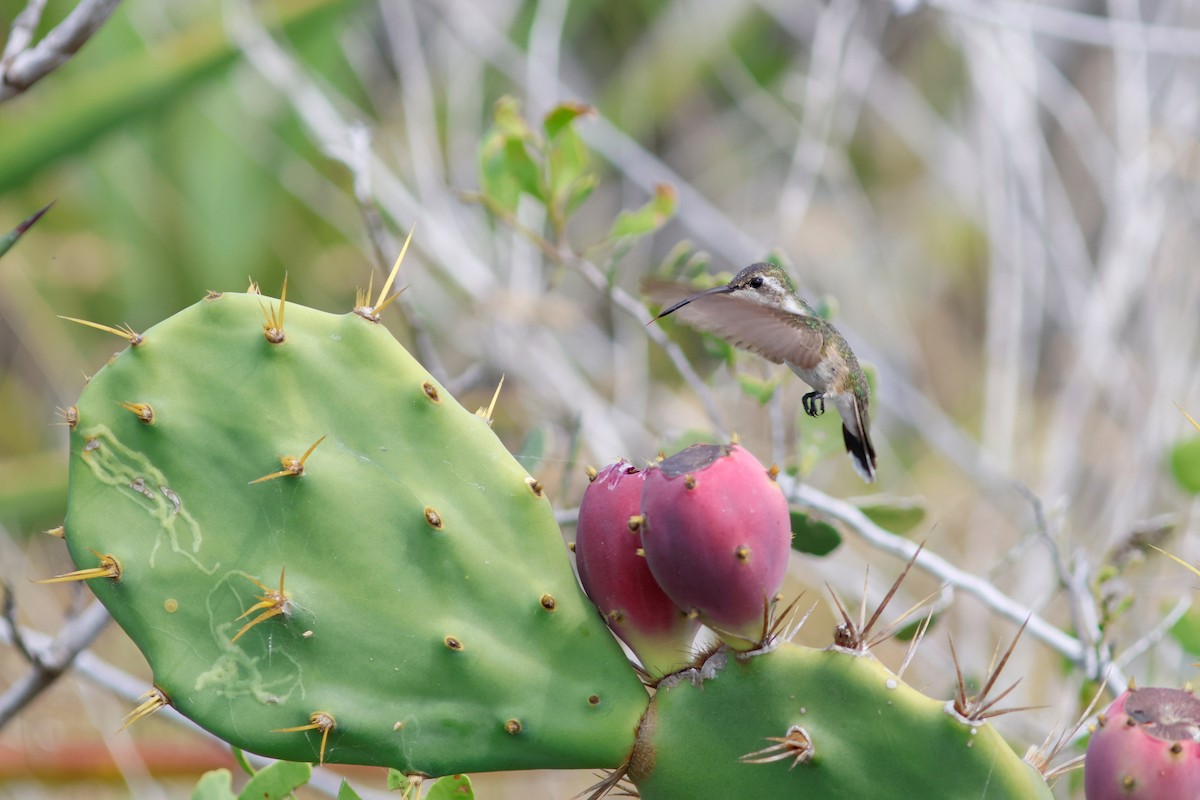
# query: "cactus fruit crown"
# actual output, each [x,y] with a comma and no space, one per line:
[692,459]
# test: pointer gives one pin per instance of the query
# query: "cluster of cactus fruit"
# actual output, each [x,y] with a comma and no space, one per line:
[702,536]
[324,557]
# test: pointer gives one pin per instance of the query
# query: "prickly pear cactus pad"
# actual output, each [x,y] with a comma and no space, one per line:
[816,724]
[324,556]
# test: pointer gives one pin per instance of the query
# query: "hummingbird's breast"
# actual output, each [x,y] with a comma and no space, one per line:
[822,377]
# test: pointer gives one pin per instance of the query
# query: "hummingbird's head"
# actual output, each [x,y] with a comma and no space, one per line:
[763,282]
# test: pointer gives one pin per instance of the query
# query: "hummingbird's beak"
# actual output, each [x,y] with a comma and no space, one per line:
[724,289]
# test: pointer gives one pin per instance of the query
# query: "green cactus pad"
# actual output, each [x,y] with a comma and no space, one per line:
[867,734]
[428,610]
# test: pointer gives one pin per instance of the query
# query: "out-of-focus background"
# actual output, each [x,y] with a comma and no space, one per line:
[997,203]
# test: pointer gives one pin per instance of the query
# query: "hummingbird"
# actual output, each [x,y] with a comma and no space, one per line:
[760,311]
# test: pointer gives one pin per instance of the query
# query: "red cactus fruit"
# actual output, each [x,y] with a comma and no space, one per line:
[1144,747]
[615,576]
[717,534]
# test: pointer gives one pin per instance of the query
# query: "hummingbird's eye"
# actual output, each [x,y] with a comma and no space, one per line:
[756,282]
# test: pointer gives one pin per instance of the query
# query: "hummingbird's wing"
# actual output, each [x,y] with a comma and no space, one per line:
[773,333]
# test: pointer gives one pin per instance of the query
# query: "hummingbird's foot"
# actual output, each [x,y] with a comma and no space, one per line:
[814,403]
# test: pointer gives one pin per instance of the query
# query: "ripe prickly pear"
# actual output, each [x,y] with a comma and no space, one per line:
[1144,747]
[615,576]
[717,535]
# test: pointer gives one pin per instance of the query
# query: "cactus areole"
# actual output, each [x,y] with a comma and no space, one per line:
[396,594]
[1146,746]
[717,535]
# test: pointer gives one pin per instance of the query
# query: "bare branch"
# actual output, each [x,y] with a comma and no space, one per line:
[49,661]
[943,570]
[23,66]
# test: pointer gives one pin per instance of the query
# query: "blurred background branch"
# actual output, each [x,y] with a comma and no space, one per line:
[24,63]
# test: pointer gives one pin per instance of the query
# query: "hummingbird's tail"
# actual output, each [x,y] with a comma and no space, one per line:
[858,444]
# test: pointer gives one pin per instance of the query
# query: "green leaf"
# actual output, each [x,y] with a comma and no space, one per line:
[409,787]
[216,784]
[451,787]
[896,514]
[10,238]
[647,219]
[508,122]
[520,165]
[758,388]
[276,781]
[347,793]
[1187,631]
[396,779]
[567,175]
[1185,464]
[496,181]
[239,756]
[813,536]
[581,190]
[506,165]
[563,115]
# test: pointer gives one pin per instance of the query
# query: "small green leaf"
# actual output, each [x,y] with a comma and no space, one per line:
[216,784]
[507,166]
[345,792]
[10,238]
[276,781]
[496,181]
[813,536]
[896,514]
[758,388]
[451,787]
[563,115]
[396,779]
[1187,631]
[581,190]
[521,166]
[567,160]
[1185,464]
[239,757]
[649,218]
[507,120]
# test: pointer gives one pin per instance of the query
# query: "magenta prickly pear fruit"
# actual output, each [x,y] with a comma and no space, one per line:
[1144,747]
[717,534]
[615,576]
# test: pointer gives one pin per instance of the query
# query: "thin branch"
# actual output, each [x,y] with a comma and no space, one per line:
[21,34]
[129,688]
[51,659]
[23,66]
[1155,634]
[943,570]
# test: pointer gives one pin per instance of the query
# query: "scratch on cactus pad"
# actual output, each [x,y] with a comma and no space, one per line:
[138,479]
[236,672]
